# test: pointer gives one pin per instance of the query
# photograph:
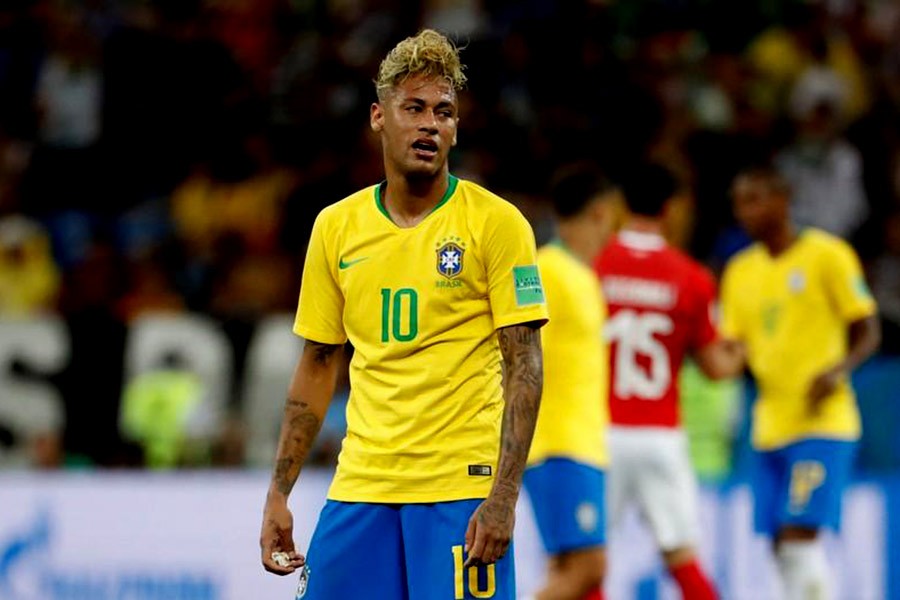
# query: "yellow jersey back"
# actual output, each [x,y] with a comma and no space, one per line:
[421,306]
[793,311]
[574,413]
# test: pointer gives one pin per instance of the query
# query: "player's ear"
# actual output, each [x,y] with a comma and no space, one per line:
[376,117]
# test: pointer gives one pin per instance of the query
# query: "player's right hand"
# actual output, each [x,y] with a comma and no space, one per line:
[823,387]
[278,536]
[490,530]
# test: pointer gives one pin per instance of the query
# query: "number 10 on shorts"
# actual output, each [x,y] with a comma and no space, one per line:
[474,589]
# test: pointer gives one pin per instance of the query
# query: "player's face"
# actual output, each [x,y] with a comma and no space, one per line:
[417,122]
[758,207]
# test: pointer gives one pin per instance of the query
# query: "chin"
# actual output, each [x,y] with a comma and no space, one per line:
[423,170]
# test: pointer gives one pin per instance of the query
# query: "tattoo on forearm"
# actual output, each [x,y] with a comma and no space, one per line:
[299,430]
[299,427]
[521,348]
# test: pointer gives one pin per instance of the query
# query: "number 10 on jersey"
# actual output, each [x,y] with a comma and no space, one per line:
[399,314]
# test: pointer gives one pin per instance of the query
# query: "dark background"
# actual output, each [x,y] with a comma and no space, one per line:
[172,155]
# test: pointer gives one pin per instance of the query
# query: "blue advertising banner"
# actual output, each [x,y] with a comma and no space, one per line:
[193,536]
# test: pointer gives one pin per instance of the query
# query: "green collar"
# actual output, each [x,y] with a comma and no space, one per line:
[379,201]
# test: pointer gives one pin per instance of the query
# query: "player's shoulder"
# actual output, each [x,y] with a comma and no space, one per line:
[823,242]
[691,276]
[555,260]
[485,203]
[550,262]
[627,247]
[745,258]
[612,247]
[548,253]
[702,276]
[341,210]
[678,267]
[564,275]
[607,254]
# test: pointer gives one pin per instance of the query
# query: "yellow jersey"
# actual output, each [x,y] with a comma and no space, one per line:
[420,306]
[793,311]
[574,414]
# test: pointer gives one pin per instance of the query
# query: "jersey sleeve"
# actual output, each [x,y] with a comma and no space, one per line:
[704,330]
[730,325]
[321,307]
[846,284]
[514,282]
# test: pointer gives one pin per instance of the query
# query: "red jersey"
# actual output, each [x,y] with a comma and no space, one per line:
[661,305]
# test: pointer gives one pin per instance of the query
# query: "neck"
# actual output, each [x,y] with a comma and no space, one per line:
[408,200]
[644,224]
[579,239]
[780,239]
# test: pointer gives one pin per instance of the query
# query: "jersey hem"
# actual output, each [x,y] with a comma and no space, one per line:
[834,437]
[593,464]
[407,498]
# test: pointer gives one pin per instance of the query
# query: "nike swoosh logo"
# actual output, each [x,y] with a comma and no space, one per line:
[345,264]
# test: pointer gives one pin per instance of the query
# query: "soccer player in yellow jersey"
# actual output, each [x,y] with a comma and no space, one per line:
[799,301]
[435,282]
[565,474]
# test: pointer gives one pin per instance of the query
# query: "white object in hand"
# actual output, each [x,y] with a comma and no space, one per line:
[281,559]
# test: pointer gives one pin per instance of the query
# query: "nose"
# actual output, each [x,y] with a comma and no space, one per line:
[428,123]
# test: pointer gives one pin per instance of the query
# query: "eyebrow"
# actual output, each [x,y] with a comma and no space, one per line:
[421,102]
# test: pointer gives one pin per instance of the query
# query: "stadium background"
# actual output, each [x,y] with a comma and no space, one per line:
[160,167]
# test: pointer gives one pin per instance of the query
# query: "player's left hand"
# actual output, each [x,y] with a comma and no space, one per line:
[276,540]
[490,529]
[822,387]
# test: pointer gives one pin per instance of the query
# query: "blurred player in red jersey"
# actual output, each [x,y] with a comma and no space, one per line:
[661,307]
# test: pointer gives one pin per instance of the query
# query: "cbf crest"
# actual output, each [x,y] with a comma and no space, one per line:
[796,281]
[450,253]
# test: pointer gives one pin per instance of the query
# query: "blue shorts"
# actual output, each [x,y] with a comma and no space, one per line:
[568,501]
[400,552]
[801,484]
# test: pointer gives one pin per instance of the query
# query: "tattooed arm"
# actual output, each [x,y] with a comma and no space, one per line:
[309,395]
[491,527]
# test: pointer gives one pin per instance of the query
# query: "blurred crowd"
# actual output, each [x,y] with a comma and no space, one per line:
[171,155]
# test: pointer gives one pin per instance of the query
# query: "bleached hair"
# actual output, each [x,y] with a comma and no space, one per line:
[428,54]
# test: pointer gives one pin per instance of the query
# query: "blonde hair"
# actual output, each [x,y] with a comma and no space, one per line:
[428,54]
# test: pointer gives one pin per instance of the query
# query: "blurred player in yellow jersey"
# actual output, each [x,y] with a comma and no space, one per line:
[435,282]
[799,301]
[565,474]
